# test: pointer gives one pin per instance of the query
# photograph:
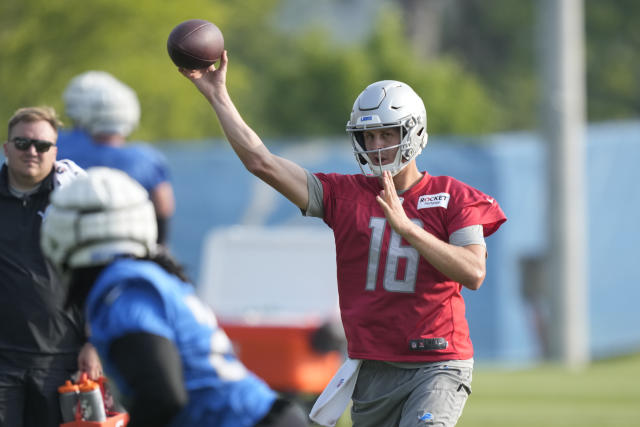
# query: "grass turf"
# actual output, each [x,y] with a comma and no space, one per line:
[606,393]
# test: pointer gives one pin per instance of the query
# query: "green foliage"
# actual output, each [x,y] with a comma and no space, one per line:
[284,86]
[46,43]
[311,88]
[496,41]
[311,85]
[613,63]
[484,80]
[455,100]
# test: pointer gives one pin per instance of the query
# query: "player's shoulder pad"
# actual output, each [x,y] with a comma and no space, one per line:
[65,171]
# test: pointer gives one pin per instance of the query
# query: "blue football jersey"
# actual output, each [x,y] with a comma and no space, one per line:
[140,296]
[142,162]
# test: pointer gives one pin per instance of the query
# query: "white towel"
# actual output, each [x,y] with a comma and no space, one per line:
[334,399]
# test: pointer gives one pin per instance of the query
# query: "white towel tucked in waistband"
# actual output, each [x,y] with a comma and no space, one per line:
[334,399]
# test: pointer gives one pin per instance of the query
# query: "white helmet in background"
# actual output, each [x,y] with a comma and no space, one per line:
[387,104]
[101,104]
[96,218]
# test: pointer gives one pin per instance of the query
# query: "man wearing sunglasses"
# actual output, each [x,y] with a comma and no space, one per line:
[41,343]
[30,152]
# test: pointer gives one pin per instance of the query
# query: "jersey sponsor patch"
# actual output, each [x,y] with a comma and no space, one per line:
[434,200]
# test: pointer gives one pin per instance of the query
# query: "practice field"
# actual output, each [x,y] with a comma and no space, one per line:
[605,394]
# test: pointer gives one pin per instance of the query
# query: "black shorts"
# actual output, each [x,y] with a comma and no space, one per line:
[29,396]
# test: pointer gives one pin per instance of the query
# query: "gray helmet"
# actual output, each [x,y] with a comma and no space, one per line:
[386,104]
[101,104]
[96,218]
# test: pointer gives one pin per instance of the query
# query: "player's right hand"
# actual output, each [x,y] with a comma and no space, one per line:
[208,80]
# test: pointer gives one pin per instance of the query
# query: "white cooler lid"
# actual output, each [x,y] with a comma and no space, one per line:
[283,275]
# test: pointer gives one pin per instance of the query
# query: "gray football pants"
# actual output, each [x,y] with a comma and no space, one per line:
[390,396]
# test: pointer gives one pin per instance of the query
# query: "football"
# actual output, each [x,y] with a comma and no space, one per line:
[195,44]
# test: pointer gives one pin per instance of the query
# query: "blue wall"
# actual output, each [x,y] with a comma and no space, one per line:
[214,190]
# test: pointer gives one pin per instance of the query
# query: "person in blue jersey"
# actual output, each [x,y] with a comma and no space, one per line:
[104,112]
[170,362]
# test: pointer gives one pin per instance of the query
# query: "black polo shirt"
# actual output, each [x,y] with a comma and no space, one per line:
[33,321]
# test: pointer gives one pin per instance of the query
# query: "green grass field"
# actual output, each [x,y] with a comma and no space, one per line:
[606,394]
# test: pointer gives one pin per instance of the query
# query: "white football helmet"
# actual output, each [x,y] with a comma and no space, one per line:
[101,104]
[387,104]
[96,218]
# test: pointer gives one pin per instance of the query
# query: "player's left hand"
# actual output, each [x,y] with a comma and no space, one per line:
[392,206]
[89,362]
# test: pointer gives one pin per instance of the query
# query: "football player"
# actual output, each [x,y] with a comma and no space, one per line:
[407,243]
[159,344]
[104,112]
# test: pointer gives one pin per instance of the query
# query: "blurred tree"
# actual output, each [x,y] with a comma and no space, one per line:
[456,101]
[311,87]
[496,41]
[424,20]
[484,79]
[613,59]
[44,44]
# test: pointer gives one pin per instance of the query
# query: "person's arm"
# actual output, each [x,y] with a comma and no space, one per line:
[463,264]
[164,204]
[151,366]
[163,199]
[285,176]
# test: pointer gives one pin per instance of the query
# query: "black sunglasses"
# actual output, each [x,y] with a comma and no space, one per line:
[23,144]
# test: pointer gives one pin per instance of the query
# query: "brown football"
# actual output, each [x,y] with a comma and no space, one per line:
[195,44]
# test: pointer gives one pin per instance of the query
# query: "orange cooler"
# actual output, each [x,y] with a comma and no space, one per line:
[271,288]
[283,356]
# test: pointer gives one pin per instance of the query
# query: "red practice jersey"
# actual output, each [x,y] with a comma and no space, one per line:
[390,297]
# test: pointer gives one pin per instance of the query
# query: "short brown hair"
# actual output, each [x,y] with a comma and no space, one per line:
[35,114]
